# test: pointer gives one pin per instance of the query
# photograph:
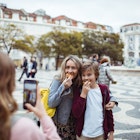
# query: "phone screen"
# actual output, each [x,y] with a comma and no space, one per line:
[29,92]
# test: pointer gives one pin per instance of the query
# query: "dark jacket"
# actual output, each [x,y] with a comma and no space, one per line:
[79,107]
[34,67]
[25,64]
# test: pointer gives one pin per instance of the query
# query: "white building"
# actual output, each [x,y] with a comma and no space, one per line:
[38,23]
[130,35]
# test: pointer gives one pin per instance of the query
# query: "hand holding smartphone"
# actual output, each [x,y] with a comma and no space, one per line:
[29,92]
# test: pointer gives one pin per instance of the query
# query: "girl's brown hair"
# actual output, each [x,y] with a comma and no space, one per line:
[77,81]
[91,66]
[7,103]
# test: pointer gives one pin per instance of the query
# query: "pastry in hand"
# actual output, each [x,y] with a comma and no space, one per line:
[85,82]
[68,75]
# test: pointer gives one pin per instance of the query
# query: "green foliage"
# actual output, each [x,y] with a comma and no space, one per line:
[26,44]
[60,42]
[103,44]
[43,46]
[8,35]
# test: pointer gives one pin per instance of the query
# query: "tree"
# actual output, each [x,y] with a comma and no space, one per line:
[59,43]
[104,44]
[26,44]
[113,47]
[8,35]
[43,47]
[92,42]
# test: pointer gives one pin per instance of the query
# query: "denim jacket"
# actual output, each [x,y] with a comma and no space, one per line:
[60,99]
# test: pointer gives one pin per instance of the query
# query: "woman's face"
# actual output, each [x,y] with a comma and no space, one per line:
[71,69]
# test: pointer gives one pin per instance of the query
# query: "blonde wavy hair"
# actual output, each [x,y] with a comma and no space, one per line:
[77,81]
[7,103]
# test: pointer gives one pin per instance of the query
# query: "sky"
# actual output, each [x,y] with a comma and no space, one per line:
[115,13]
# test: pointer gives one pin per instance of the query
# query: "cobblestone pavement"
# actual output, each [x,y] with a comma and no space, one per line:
[126,115]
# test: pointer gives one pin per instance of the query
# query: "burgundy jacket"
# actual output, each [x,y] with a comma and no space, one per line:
[79,107]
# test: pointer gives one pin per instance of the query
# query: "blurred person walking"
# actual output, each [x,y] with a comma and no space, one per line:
[105,76]
[32,68]
[24,66]
[94,58]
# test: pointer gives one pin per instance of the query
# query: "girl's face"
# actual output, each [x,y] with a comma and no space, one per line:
[89,75]
[71,69]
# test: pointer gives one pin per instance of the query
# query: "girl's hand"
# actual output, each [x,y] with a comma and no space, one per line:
[39,108]
[110,136]
[85,89]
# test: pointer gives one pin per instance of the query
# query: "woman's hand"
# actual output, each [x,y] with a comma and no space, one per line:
[67,82]
[110,105]
[39,108]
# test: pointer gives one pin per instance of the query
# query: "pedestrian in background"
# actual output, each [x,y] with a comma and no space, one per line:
[62,90]
[32,68]
[94,58]
[105,76]
[93,121]
[24,66]
[20,128]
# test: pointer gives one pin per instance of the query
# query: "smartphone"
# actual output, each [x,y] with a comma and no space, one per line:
[29,92]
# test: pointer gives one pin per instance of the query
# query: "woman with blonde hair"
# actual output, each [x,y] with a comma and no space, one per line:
[20,128]
[62,89]
[61,96]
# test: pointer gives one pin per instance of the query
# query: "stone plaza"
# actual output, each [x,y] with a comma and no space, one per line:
[127,91]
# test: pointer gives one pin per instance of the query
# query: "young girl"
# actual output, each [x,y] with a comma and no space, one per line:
[93,121]
[20,128]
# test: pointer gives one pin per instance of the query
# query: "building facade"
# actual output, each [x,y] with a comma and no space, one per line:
[38,23]
[130,35]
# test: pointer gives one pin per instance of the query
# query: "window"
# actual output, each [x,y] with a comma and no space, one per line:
[31,19]
[57,22]
[137,27]
[63,22]
[131,42]
[23,18]
[131,54]
[125,30]
[68,23]
[6,16]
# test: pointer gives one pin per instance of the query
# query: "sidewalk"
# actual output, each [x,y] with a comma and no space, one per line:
[125,71]
[127,90]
